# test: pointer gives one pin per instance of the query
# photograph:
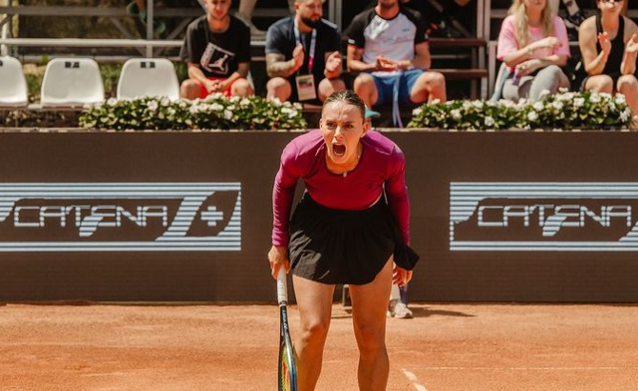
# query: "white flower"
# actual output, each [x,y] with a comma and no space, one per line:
[216,107]
[558,105]
[605,95]
[543,94]
[506,103]
[416,111]
[491,103]
[276,101]
[611,105]
[152,105]
[564,96]
[478,104]
[165,102]
[436,101]
[595,97]
[466,105]
[456,114]
[182,104]
[579,102]
[235,99]
[193,109]
[532,116]
[538,106]
[111,102]
[228,114]
[292,114]
[620,99]
[489,121]
[624,116]
[245,102]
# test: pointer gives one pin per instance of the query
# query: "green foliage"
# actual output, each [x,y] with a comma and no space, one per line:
[565,110]
[214,112]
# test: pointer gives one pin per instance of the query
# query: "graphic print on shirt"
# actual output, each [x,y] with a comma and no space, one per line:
[215,59]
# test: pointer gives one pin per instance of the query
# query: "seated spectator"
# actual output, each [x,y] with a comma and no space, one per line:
[217,50]
[138,8]
[389,46]
[533,44]
[302,56]
[608,44]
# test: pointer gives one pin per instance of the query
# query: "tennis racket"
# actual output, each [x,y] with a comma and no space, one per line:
[287,375]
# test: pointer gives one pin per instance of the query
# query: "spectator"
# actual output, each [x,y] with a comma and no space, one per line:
[245,13]
[448,15]
[302,56]
[389,45]
[608,44]
[217,49]
[575,17]
[138,8]
[533,44]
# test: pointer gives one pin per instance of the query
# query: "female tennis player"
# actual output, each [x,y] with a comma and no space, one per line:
[351,225]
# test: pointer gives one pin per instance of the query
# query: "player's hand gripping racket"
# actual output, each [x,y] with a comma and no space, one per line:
[287,368]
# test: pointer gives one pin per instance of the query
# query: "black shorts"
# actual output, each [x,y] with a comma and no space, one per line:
[344,246]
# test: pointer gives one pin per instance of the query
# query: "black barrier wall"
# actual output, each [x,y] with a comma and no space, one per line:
[528,217]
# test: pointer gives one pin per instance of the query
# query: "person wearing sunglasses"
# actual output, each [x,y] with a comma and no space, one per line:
[609,45]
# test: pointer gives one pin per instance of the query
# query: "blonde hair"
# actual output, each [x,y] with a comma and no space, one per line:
[519,11]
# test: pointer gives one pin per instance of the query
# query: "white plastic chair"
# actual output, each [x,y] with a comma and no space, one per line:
[153,77]
[13,85]
[71,82]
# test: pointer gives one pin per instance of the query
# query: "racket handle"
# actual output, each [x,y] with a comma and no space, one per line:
[282,291]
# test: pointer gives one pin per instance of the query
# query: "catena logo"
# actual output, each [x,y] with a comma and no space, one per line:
[120,217]
[519,216]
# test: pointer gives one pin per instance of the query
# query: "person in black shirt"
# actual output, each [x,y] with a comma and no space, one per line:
[609,47]
[302,56]
[217,50]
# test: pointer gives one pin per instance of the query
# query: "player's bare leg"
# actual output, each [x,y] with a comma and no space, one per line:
[314,301]
[369,306]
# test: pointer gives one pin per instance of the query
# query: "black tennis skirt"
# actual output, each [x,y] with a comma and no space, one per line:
[335,246]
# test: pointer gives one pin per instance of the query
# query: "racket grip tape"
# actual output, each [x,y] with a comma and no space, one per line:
[282,290]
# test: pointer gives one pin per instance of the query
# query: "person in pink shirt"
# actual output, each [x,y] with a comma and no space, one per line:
[349,227]
[533,44]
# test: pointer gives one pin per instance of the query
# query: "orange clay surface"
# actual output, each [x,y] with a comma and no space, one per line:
[446,347]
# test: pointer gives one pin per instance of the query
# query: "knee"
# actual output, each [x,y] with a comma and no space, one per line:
[327,87]
[601,83]
[628,84]
[314,333]
[371,340]
[435,79]
[190,89]
[364,82]
[552,71]
[279,88]
[242,88]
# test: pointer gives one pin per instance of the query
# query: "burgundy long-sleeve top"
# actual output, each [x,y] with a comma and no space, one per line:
[381,164]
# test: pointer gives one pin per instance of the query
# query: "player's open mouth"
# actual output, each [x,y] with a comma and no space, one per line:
[339,150]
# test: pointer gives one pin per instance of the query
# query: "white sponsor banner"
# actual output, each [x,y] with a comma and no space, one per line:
[78,217]
[543,216]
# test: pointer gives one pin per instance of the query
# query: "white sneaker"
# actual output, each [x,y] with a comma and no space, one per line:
[401,311]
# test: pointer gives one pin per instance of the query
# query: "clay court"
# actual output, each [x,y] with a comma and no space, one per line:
[446,347]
